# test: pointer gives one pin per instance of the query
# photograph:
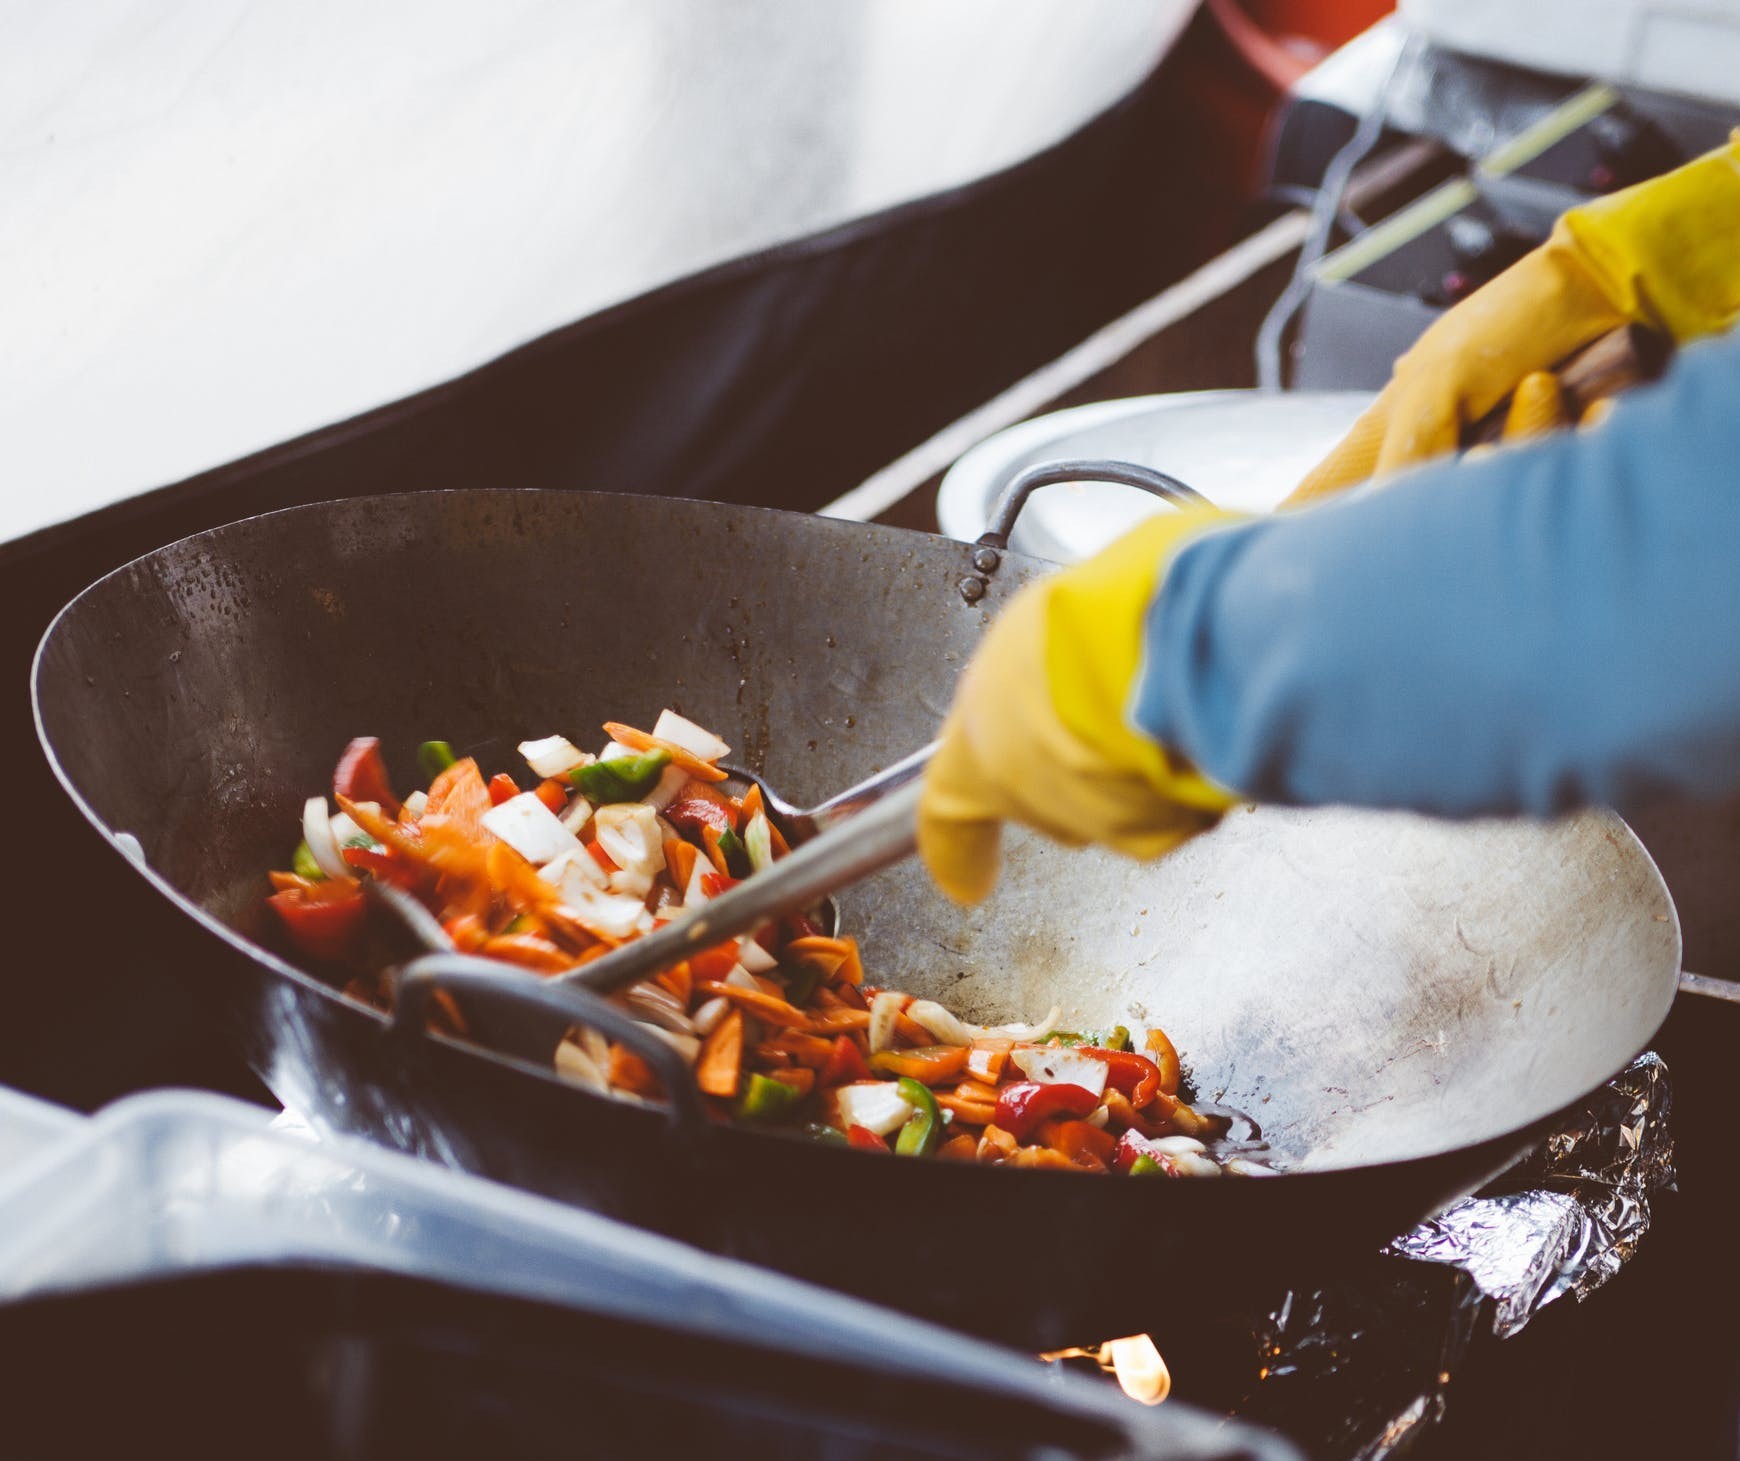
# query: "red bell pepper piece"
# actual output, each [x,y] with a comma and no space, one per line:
[691,813]
[1132,1145]
[361,775]
[1135,1075]
[845,1063]
[1022,1106]
[325,922]
[384,863]
[865,1140]
[502,787]
[552,794]
[800,925]
[713,884]
[714,963]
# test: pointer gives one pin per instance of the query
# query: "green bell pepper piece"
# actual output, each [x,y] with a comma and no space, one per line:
[825,1135]
[922,1133]
[765,1099]
[434,757]
[1146,1166]
[736,855]
[626,779]
[302,863]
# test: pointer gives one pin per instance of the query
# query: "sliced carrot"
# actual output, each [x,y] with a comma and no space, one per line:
[680,980]
[710,841]
[1040,1156]
[909,1030]
[769,1057]
[960,1148]
[800,1078]
[1166,1057]
[988,1056]
[528,951]
[836,1022]
[628,1072]
[1084,1144]
[974,1113]
[997,1145]
[468,931]
[931,1064]
[971,1090]
[680,858]
[810,1050]
[459,792]
[751,803]
[763,1006]
[284,882]
[720,1064]
[639,740]
[553,794]
[716,962]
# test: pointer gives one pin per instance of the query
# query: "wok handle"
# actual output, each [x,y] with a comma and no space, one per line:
[882,833]
[528,1014]
[1049,474]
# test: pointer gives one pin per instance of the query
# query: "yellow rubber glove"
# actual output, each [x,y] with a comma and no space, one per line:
[1665,253]
[1038,732]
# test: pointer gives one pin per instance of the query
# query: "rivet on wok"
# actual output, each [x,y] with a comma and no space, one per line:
[973,589]
[986,560]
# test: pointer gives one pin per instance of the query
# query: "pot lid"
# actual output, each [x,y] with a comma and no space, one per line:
[1244,450]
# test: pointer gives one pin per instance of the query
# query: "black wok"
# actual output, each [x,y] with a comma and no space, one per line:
[1400,1003]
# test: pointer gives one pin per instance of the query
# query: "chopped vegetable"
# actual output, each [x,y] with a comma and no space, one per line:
[765,1099]
[434,757]
[777,1027]
[361,775]
[624,779]
[530,828]
[552,756]
[1022,1106]
[302,863]
[877,1106]
[1145,1166]
[922,1133]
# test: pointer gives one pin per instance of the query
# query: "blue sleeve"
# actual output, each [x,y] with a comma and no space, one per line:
[1553,626]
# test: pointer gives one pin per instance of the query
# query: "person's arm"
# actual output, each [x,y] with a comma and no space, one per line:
[1553,626]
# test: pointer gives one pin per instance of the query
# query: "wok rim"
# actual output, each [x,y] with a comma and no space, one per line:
[1517,1136]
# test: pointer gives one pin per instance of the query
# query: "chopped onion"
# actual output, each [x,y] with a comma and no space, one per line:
[347,834]
[948,1027]
[1177,1146]
[416,802]
[758,842]
[708,1016]
[754,958]
[883,1009]
[553,755]
[657,1005]
[1099,1116]
[876,1106]
[741,978]
[317,833]
[576,815]
[631,881]
[530,828]
[1245,1167]
[577,874]
[1192,1165]
[577,1067]
[695,895]
[596,1046]
[671,780]
[680,731]
[1041,1031]
[1055,1065]
[629,833]
[616,751]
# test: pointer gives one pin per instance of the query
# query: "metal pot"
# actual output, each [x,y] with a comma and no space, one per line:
[1400,1003]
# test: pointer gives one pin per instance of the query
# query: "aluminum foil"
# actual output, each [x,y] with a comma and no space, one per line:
[1361,1370]
[1569,1217]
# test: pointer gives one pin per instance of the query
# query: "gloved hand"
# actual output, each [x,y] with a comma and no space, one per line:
[1665,254]
[1039,734]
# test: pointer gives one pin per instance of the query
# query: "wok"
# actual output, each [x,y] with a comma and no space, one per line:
[1402,1004]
